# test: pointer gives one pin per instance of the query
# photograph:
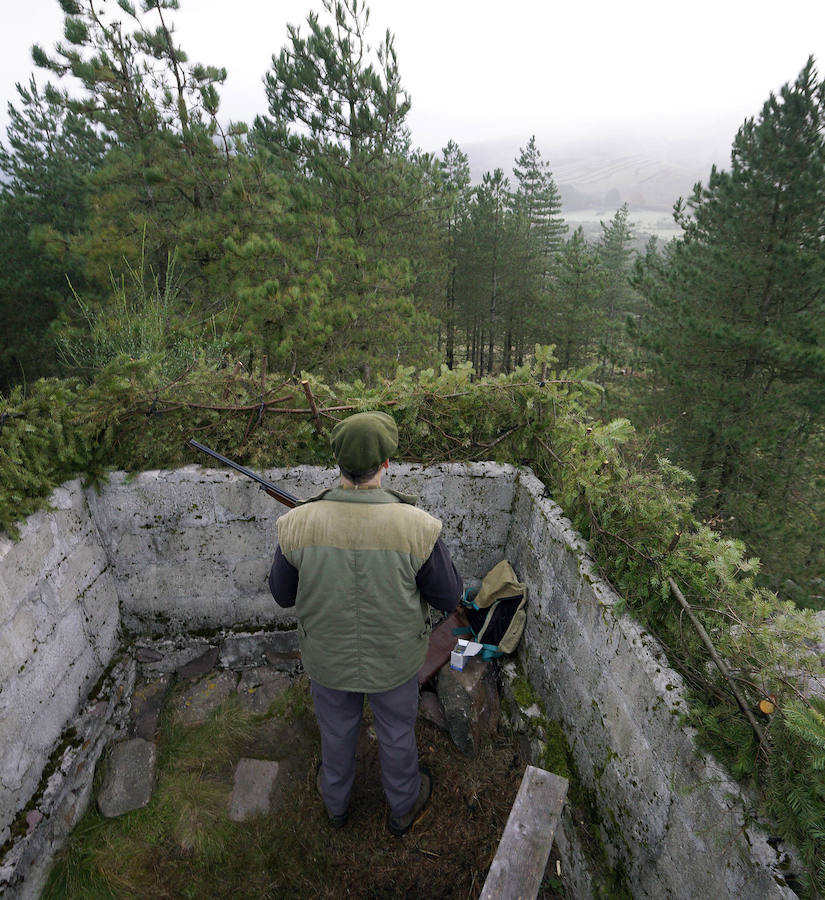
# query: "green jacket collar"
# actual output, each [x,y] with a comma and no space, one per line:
[370,495]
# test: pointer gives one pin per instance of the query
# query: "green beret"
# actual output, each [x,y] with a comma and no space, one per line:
[363,441]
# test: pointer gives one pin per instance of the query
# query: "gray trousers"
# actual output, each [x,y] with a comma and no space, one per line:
[339,719]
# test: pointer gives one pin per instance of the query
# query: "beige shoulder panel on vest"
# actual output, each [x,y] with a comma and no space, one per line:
[359,526]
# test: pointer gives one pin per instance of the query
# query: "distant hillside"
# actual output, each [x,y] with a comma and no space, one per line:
[602,173]
[641,181]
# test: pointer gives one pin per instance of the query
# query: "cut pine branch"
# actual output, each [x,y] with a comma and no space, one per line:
[720,664]
[312,405]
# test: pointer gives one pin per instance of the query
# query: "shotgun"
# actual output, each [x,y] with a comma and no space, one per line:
[280,495]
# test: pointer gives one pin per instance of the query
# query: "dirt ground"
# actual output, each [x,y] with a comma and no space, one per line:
[183,846]
[446,854]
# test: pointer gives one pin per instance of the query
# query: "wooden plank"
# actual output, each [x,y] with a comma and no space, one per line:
[518,866]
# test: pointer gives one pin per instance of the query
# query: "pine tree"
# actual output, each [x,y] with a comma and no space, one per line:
[44,199]
[616,257]
[491,260]
[337,116]
[158,111]
[537,200]
[740,310]
[576,314]
[538,236]
[455,199]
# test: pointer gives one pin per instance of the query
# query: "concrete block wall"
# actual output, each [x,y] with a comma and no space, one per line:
[672,819]
[474,503]
[58,631]
[162,553]
[190,550]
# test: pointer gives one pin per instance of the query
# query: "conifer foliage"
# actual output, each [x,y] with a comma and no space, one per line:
[44,198]
[132,82]
[337,114]
[738,326]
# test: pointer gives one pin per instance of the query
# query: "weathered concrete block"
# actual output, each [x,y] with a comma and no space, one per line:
[182,588]
[266,648]
[129,779]
[470,702]
[251,576]
[242,539]
[75,572]
[473,502]
[238,499]
[58,626]
[259,609]
[17,643]
[252,789]
[24,562]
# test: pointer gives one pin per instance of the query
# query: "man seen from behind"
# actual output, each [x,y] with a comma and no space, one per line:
[360,564]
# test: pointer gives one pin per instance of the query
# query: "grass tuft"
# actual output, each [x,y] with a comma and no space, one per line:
[292,703]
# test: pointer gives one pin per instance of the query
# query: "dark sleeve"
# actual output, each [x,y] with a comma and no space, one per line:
[283,580]
[439,582]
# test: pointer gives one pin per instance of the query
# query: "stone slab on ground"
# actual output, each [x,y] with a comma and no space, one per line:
[273,648]
[147,702]
[258,688]
[200,665]
[194,705]
[129,779]
[471,704]
[252,788]
[162,657]
[431,710]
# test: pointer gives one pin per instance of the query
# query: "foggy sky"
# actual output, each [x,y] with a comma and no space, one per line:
[687,73]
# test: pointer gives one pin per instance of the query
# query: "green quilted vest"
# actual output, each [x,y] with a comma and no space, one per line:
[361,621]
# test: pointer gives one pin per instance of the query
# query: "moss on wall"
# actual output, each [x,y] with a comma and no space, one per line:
[550,750]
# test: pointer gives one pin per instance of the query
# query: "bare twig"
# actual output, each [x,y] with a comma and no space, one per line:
[253,407]
[262,405]
[551,452]
[616,537]
[720,664]
[500,438]
[312,406]
[504,387]
[725,613]
[325,410]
